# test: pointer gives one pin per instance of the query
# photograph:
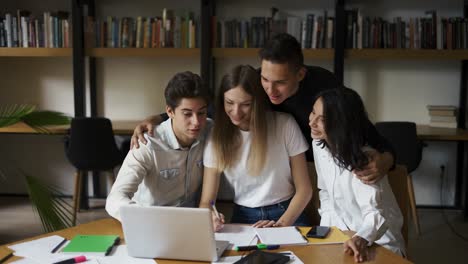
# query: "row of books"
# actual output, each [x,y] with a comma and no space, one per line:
[429,32]
[51,30]
[318,31]
[313,32]
[442,116]
[164,31]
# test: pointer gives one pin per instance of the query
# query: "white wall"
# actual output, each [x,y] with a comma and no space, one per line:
[132,88]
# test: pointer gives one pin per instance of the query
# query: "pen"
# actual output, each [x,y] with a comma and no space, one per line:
[214,210]
[6,257]
[300,233]
[78,259]
[59,245]
[255,247]
[109,250]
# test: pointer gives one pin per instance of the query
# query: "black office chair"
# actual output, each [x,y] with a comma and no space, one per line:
[408,150]
[91,147]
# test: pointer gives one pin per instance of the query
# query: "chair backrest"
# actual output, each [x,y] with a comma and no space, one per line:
[404,139]
[398,179]
[92,145]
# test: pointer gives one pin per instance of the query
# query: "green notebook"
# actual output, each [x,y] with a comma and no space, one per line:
[98,244]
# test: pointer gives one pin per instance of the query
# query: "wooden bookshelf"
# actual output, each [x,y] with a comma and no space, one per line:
[426,132]
[142,52]
[406,54]
[126,127]
[374,54]
[253,52]
[35,52]
[120,127]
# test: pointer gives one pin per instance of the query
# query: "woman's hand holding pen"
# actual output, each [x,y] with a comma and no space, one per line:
[218,221]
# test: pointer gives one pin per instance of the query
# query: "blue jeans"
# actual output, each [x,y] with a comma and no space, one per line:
[248,215]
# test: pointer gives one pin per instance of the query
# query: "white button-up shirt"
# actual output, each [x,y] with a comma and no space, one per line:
[160,172]
[369,209]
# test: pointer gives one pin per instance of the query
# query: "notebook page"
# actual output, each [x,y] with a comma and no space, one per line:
[280,235]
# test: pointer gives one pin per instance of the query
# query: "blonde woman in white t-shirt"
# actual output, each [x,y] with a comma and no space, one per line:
[260,152]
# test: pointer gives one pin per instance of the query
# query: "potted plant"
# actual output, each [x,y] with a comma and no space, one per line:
[54,212]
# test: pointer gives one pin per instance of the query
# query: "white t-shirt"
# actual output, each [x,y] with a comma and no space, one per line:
[275,183]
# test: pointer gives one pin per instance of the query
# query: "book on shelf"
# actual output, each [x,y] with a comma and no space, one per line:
[441,107]
[443,124]
[442,119]
[442,110]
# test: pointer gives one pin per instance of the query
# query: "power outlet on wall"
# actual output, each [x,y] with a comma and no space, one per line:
[443,168]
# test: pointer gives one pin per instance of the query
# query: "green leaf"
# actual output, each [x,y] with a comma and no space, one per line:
[39,120]
[55,213]
[12,114]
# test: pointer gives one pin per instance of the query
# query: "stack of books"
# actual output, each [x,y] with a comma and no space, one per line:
[443,116]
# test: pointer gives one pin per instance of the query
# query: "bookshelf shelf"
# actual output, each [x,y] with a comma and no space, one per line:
[253,52]
[35,52]
[142,52]
[373,54]
[125,127]
[426,132]
[120,127]
[407,54]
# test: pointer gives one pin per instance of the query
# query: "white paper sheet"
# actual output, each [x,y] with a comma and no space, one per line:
[280,235]
[237,235]
[119,256]
[39,250]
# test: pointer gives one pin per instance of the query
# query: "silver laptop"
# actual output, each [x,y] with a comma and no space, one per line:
[170,233]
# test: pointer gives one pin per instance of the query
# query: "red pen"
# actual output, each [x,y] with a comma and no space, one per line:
[78,259]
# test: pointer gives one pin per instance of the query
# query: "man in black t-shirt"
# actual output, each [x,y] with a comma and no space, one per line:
[291,87]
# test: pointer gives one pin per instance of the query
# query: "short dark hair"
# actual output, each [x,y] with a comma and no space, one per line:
[185,85]
[346,125]
[283,48]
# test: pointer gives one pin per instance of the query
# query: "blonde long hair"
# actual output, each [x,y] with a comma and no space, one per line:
[226,136]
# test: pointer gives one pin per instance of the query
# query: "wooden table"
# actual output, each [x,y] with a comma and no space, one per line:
[308,254]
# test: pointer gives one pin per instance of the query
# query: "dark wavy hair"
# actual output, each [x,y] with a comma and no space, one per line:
[185,85]
[346,125]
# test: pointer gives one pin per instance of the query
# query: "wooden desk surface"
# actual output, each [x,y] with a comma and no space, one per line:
[308,254]
[126,127]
